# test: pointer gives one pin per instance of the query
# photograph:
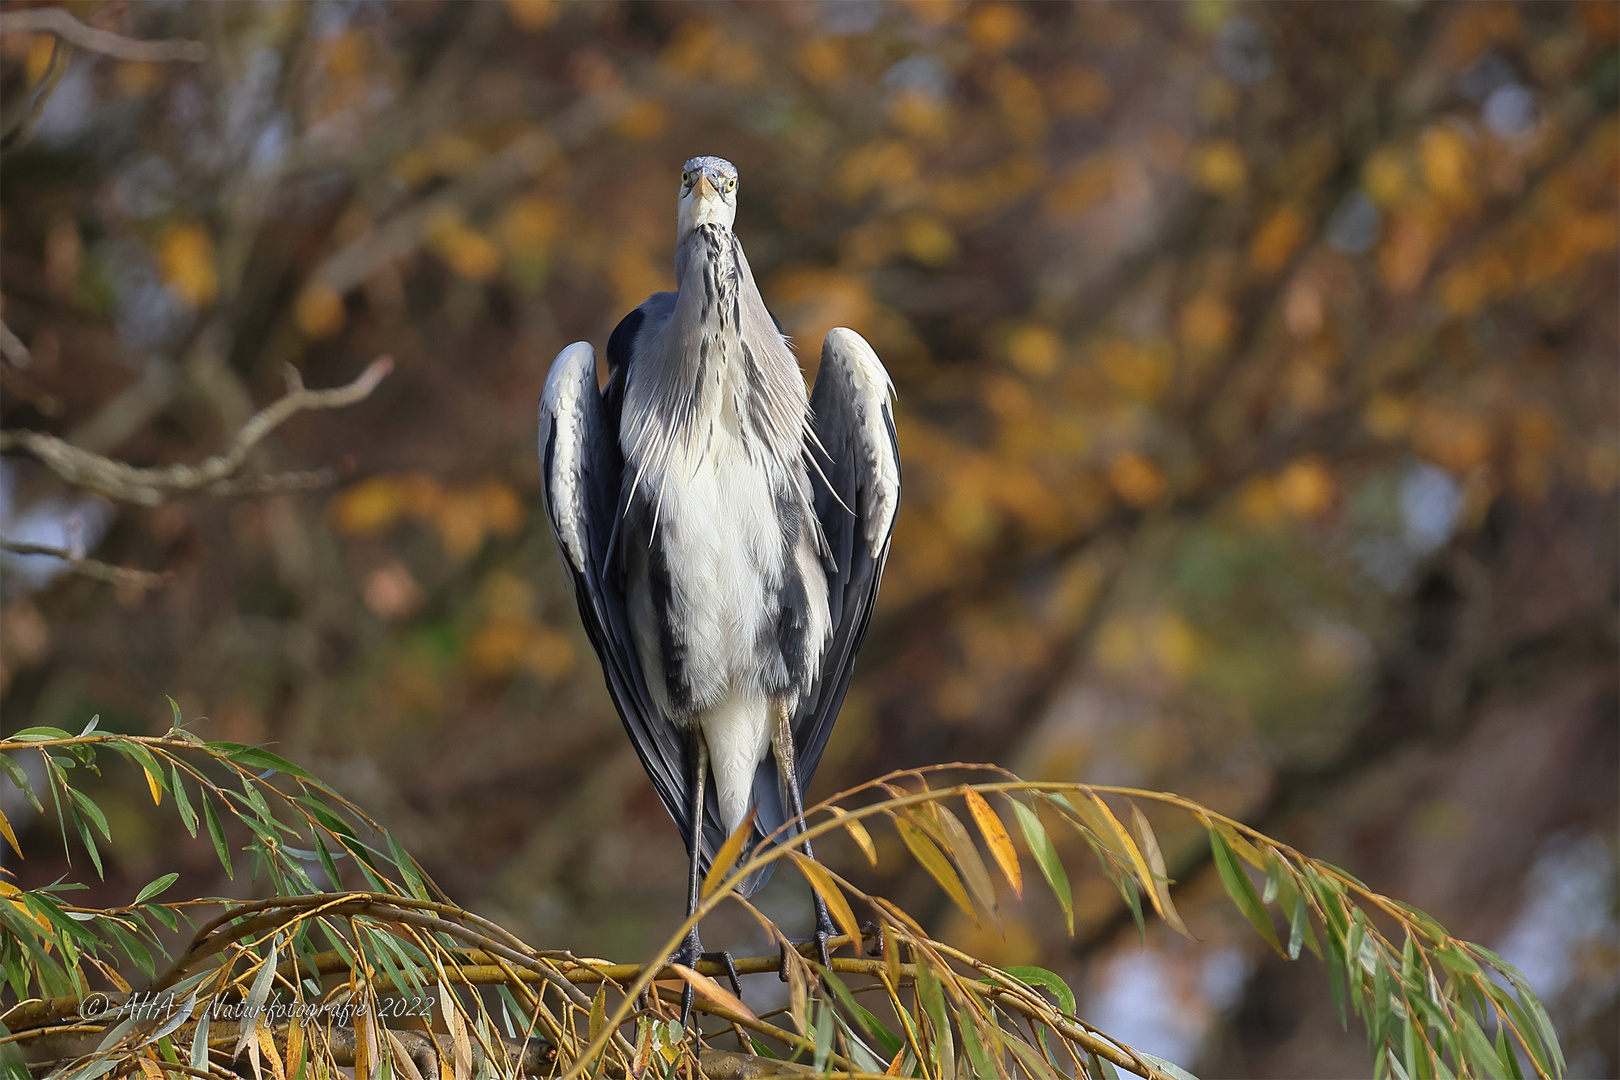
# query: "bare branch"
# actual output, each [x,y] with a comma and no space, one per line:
[12,348]
[55,20]
[90,568]
[214,476]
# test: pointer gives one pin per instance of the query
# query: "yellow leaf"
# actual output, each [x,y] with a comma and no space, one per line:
[858,833]
[1305,488]
[823,883]
[1276,240]
[1122,842]
[707,987]
[267,1044]
[153,786]
[368,507]
[725,860]
[643,119]
[1161,878]
[318,311]
[186,259]
[1219,167]
[406,1068]
[996,836]
[532,15]
[11,837]
[1033,349]
[149,1069]
[932,860]
[1137,480]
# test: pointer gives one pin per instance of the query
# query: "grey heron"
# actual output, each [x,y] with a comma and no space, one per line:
[723,533]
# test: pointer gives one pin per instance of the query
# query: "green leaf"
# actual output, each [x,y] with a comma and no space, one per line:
[39,734]
[155,887]
[822,1019]
[933,1002]
[20,778]
[1046,857]
[182,803]
[869,1023]
[1298,923]
[89,841]
[255,757]
[1241,889]
[1048,981]
[93,811]
[1169,1068]
[973,1045]
[216,832]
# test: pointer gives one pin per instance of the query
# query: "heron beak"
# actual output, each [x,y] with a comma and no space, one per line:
[706,190]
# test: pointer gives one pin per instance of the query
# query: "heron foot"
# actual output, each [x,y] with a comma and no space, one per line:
[825,932]
[689,955]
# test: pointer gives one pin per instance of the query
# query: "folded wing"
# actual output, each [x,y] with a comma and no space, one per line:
[580,468]
[856,479]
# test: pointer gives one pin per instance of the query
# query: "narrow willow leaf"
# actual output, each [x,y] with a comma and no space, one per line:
[966,853]
[933,1003]
[1169,1068]
[1240,888]
[725,860]
[824,1035]
[182,804]
[1032,1060]
[407,868]
[88,840]
[156,887]
[996,838]
[199,1043]
[92,811]
[253,1005]
[1046,857]
[598,1012]
[973,1044]
[934,861]
[20,778]
[11,837]
[1158,877]
[869,1024]
[1123,841]
[216,832]
[831,895]
[858,833]
[1046,980]
[716,993]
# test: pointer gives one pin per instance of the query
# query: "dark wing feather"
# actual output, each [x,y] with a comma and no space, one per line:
[581,466]
[857,493]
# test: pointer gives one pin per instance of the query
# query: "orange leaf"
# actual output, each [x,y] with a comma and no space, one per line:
[725,860]
[707,987]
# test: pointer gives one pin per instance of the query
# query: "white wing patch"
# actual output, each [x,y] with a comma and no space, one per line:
[570,390]
[872,391]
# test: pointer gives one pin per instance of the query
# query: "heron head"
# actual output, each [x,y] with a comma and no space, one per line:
[708,194]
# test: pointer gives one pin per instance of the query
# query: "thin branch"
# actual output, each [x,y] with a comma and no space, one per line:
[55,20]
[12,347]
[152,486]
[90,568]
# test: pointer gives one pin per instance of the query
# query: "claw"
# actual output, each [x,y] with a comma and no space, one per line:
[873,934]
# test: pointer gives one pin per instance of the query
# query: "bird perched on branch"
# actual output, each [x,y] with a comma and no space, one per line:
[723,533]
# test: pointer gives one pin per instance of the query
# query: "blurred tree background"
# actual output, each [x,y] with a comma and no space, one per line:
[1258,400]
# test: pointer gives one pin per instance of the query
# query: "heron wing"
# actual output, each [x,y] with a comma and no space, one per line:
[581,466]
[857,493]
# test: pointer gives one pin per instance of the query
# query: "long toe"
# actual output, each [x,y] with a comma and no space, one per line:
[724,959]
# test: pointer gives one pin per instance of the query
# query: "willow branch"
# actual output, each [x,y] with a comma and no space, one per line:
[90,568]
[55,20]
[214,475]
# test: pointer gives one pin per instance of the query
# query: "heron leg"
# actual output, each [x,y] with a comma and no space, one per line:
[786,761]
[697,753]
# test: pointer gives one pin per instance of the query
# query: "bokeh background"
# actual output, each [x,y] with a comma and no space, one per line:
[1258,401]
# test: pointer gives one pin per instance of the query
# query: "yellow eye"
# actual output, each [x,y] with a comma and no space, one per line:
[731,184]
[686,179]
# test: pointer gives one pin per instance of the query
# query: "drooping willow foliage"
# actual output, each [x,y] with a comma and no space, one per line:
[356,959]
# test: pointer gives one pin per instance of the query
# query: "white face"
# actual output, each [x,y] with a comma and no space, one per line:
[708,194]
